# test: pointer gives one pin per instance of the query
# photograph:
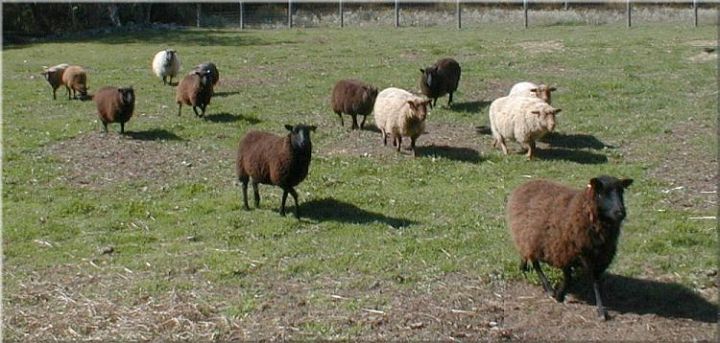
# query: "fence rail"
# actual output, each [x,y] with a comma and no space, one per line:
[300,13]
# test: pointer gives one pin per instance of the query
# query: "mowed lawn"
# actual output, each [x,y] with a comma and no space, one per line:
[143,235]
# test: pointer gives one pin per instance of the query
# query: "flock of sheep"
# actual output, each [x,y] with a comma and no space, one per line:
[549,222]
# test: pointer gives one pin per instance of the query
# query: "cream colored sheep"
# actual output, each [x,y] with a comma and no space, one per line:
[166,64]
[400,113]
[524,119]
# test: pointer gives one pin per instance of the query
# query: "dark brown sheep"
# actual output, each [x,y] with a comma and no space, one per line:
[75,80]
[115,105]
[54,76]
[275,160]
[214,73]
[439,79]
[565,228]
[195,89]
[355,98]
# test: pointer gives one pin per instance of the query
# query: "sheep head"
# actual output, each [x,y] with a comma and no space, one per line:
[300,135]
[544,92]
[419,107]
[607,193]
[127,95]
[428,74]
[547,117]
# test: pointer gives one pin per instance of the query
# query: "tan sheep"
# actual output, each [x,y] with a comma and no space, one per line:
[541,91]
[400,113]
[75,79]
[54,76]
[524,119]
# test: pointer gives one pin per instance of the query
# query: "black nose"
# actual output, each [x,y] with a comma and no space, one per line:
[619,214]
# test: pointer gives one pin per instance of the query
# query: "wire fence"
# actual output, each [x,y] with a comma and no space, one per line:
[255,15]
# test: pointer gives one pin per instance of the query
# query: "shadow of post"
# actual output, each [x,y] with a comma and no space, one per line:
[665,299]
[329,209]
[154,135]
[452,153]
[229,118]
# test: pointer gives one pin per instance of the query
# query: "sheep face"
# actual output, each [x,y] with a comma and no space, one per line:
[371,93]
[547,118]
[169,56]
[608,194]
[428,74]
[205,76]
[544,92]
[419,108]
[127,95]
[300,135]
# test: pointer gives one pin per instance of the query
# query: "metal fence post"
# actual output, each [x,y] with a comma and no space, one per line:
[629,14]
[525,9]
[459,12]
[242,23]
[342,21]
[197,15]
[290,23]
[695,10]
[397,13]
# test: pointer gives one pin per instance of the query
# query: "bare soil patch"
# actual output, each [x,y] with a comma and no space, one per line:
[95,160]
[102,304]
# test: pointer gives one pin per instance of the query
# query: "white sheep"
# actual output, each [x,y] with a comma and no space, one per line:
[525,119]
[541,91]
[400,113]
[165,64]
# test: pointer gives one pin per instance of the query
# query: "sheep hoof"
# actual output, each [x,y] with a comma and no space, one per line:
[603,316]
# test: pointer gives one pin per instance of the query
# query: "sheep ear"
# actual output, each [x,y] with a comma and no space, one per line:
[626,182]
[289,127]
[557,110]
[422,70]
[312,128]
[595,184]
[412,104]
[552,89]
[536,112]
[534,90]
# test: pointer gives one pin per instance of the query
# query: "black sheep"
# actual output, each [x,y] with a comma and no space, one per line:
[439,79]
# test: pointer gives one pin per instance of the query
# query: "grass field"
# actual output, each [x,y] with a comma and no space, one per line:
[142,236]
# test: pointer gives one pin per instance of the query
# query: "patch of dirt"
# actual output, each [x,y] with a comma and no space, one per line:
[541,47]
[452,141]
[80,302]
[94,160]
[705,56]
[692,175]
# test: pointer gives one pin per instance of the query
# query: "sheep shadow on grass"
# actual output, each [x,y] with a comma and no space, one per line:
[452,153]
[229,118]
[224,94]
[665,299]
[329,209]
[574,141]
[154,135]
[577,156]
[469,106]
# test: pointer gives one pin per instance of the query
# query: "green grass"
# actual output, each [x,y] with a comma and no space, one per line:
[406,221]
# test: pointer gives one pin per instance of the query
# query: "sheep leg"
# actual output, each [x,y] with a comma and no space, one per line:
[504,148]
[354,123]
[54,94]
[567,280]
[179,108]
[295,197]
[282,203]
[450,99]
[362,124]
[434,103]
[412,145]
[105,126]
[122,127]
[523,266]
[596,280]
[399,142]
[543,278]
[68,92]
[384,137]
[256,193]
[244,181]
[195,110]
[164,80]
[342,123]
[531,150]
[203,107]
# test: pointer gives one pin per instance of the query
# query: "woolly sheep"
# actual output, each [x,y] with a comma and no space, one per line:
[355,98]
[400,113]
[524,119]
[541,91]
[115,105]
[195,90]
[439,79]
[75,79]
[214,73]
[166,64]
[53,75]
[275,160]
[565,228]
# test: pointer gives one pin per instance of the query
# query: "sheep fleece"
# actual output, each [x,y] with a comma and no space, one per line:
[395,116]
[268,159]
[510,117]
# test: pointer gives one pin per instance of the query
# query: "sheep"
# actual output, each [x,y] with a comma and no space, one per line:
[53,75]
[565,228]
[541,91]
[355,98]
[400,113]
[115,105]
[439,79]
[522,118]
[75,79]
[166,64]
[214,73]
[275,160]
[195,89]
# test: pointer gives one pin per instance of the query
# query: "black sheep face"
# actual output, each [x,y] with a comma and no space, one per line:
[204,76]
[429,75]
[608,192]
[127,94]
[300,135]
